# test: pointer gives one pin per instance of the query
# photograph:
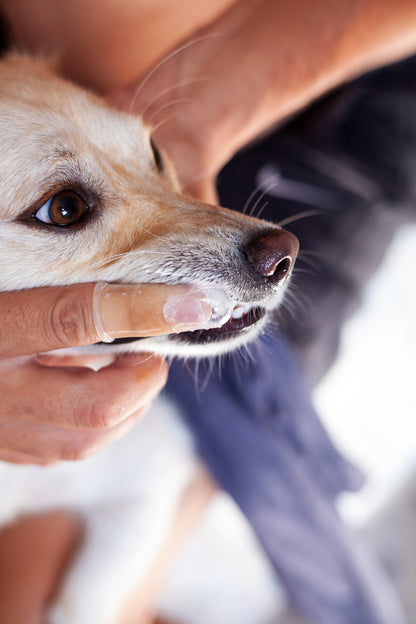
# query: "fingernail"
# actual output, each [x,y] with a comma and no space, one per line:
[200,309]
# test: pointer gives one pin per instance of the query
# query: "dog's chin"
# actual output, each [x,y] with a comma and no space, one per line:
[235,333]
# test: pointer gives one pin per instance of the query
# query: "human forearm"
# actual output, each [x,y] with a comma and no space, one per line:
[268,58]
[288,53]
[260,62]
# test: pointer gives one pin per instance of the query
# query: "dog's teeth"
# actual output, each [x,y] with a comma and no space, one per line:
[240,310]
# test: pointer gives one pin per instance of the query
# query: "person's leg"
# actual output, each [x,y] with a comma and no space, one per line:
[34,552]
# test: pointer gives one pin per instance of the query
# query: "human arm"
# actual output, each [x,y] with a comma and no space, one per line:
[259,63]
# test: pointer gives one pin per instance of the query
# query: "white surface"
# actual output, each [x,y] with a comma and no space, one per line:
[368,400]
[221,576]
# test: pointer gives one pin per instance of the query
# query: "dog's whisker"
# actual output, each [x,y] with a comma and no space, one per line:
[166,92]
[208,375]
[290,309]
[98,264]
[269,334]
[158,237]
[297,299]
[220,366]
[312,260]
[311,254]
[251,197]
[195,375]
[300,215]
[246,354]
[237,370]
[168,105]
[261,197]
[149,357]
[261,210]
[307,271]
[165,60]
[162,123]
[313,265]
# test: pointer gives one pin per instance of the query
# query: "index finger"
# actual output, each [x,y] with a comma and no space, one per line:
[44,319]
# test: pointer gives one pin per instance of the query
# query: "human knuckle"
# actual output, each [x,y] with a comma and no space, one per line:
[68,322]
[96,414]
[104,416]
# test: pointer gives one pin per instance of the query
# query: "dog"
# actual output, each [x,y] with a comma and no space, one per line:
[88,197]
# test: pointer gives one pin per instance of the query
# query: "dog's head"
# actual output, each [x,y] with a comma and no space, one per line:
[85,196]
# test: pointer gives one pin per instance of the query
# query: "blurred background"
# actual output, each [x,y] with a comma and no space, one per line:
[368,403]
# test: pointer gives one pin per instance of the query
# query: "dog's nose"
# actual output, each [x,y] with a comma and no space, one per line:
[273,255]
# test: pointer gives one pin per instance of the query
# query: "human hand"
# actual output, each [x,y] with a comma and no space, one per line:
[58,409]
[180,99]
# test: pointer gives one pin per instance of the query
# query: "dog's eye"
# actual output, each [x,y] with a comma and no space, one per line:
[64,208]
[157,157]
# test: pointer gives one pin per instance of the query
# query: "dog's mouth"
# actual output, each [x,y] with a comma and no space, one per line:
[243,318]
